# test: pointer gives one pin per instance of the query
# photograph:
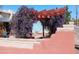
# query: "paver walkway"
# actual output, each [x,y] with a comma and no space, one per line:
[61,42]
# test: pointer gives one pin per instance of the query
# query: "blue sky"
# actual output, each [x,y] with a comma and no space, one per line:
[42,7]
[37,27]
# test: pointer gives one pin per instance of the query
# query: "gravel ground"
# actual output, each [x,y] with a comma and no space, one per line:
[77,39]
[77,35]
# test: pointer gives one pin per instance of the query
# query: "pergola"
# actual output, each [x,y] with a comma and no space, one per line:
[44,16]
[47,14]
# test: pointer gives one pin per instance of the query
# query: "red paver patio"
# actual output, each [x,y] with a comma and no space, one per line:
[61,42]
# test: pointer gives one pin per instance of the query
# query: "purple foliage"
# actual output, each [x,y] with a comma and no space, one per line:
[22,22]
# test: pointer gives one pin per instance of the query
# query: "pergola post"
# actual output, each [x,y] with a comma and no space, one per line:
[43,30]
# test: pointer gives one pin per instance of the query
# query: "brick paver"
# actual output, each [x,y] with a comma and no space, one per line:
[61,42]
